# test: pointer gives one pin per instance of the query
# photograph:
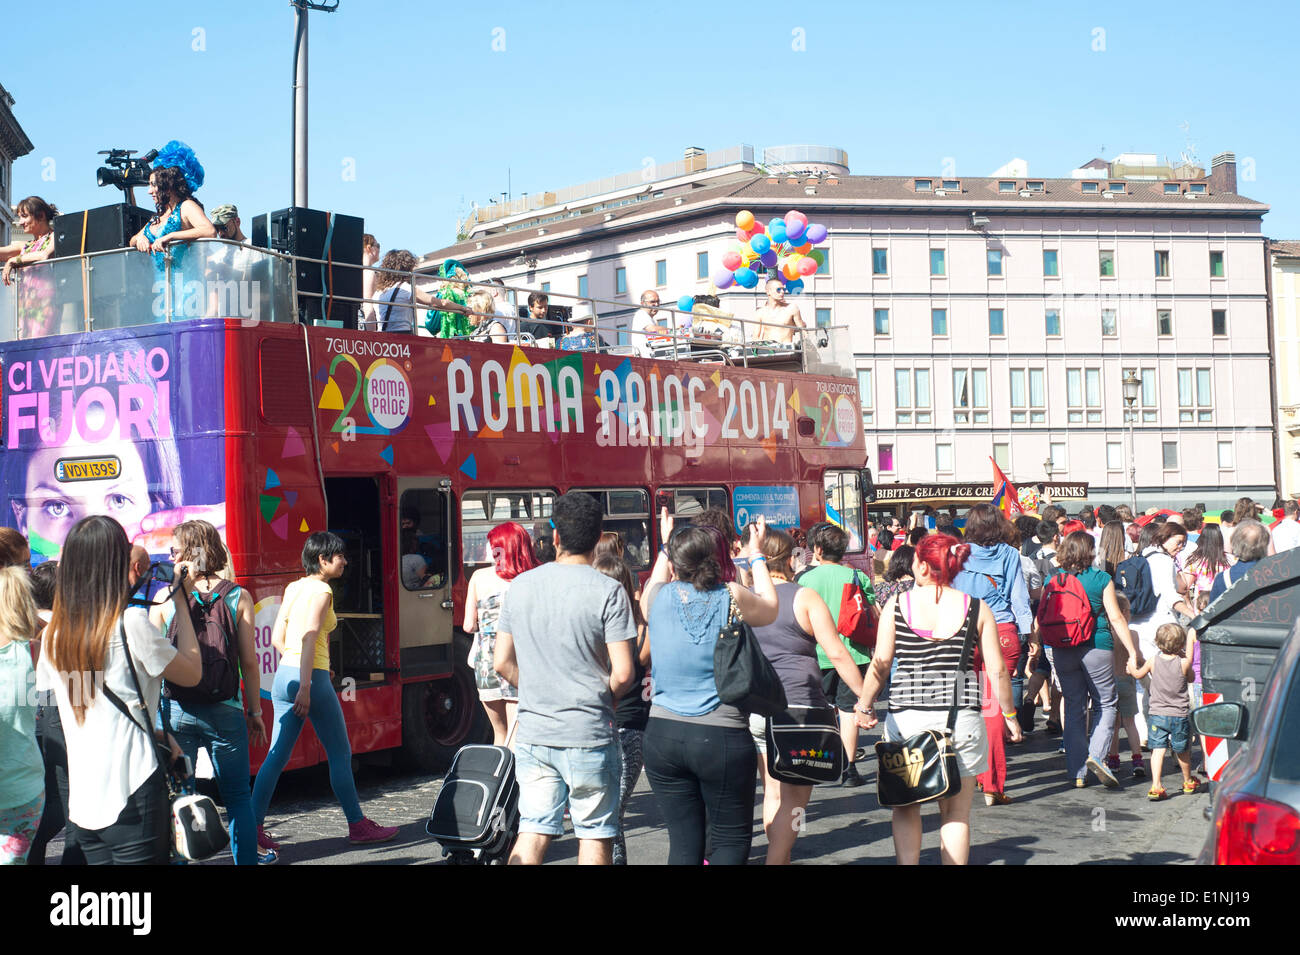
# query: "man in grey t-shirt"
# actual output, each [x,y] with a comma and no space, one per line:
[565,637]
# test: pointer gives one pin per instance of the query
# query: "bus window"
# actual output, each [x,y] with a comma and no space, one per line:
[686,501]
[844,505]
[627,512]
[480,511]
[422,539]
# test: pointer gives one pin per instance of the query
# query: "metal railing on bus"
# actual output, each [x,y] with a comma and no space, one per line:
[221,278]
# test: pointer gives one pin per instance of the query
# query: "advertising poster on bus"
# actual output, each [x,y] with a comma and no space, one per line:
[96,428]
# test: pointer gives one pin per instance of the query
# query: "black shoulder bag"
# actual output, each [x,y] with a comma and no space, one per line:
[744,677]
[924,767]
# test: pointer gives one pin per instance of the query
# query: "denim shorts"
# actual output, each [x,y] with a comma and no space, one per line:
[584,779]
[1173,732]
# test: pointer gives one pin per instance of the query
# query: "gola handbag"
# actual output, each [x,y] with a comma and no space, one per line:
[744,677]
[804,746]
[924,767]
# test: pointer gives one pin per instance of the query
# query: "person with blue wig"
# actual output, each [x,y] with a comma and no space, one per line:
[176,175]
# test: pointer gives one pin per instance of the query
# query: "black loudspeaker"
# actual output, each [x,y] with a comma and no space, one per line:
[304,232]
[554,313]
[108,227]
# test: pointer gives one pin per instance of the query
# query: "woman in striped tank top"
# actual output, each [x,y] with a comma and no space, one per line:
[926,628]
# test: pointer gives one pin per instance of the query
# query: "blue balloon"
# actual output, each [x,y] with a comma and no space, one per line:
[686,303]
[760,244]
[776,224]
[746,278]
[778,234]
[794,231]
[795,287]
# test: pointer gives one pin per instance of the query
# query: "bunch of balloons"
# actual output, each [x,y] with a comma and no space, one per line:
[783,248]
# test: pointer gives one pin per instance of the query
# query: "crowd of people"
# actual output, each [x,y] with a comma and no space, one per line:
[592,678]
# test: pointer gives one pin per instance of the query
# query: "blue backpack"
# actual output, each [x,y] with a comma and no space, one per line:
[1133,580]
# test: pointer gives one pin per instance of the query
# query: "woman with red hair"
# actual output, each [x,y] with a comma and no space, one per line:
[927,627]
[512,554]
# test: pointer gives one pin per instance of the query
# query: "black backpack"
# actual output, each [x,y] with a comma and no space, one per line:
[1133,580]
[215,627]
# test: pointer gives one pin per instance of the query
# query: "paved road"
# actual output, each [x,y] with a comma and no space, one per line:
[1049,822]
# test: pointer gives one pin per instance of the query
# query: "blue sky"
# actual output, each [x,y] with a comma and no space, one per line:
[413,101]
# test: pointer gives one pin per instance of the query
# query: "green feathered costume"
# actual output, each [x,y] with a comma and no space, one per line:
[442,324]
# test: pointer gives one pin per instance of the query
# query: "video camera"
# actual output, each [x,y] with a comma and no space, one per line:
[123,170]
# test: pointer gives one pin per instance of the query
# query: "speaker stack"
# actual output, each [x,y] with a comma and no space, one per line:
[305,233]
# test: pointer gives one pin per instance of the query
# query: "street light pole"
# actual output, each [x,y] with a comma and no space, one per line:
[1132,384]
[300,9]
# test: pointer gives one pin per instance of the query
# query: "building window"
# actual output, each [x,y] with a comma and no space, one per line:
[1162,263]
[620,281]
[937,262]
[866,395]
[1147,400]
[1089,187]
[1002,455]
[970,395]
[912,390]
[825,267]
[546,287]
[661,273]
[1107,263]
[995,261]
[822,317]
[1216,265]
[1164,322]
[943,458]
[701,265]
[879,261]
[952,185]
[997,322]
[885,458]
[1118,188]
[1083,395]
[1114,456]
[1197,188]
[1053,322]
[582,286]
[1006,185]
[1109,326]
[1028,405]
[1056,451]
[1172,189]
[881,320]
[1034,185]
[1195,395]
[1225,454]
[1169,452]
[938,322]
[922,185]
[1050,266]
[1219,321]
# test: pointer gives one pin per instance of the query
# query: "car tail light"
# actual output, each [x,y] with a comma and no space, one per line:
[1254,831]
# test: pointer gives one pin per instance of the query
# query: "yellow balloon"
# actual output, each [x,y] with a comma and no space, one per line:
[745,220]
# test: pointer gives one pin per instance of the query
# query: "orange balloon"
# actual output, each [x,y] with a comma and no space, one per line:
[790,271]
[805,248]
[745,220]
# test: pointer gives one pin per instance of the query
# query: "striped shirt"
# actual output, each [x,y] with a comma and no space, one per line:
[926,667]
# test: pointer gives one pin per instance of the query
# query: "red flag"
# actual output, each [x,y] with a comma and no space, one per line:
[1005,497]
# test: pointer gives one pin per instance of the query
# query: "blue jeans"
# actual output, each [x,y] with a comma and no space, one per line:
[326,717]
[220,729]
[1086,673]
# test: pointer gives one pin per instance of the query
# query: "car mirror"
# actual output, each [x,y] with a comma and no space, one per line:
[1222,720]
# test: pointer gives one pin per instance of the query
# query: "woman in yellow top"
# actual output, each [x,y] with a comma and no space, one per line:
[302,689]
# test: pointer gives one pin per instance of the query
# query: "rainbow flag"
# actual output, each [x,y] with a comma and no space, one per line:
[1005,497]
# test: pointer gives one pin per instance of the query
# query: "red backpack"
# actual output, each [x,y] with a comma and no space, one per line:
[1065,613]
[858,619]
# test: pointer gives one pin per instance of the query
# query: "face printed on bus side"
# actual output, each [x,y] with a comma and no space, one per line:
[52,506]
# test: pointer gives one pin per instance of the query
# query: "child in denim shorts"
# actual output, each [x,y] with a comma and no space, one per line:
[1169,724]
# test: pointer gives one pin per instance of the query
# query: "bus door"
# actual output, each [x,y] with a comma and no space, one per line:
[421,524]
[844,507]
[357,643]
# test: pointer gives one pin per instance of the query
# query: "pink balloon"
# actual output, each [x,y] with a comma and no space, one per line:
[731,261]
[759,228]
[807,266]
[793,216]
[742,235]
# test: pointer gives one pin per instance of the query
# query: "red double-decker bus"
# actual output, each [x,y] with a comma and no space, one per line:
[411,449]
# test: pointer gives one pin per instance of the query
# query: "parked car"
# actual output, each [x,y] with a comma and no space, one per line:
[1255,816]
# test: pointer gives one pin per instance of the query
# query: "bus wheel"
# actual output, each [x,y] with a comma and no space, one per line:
[440,716]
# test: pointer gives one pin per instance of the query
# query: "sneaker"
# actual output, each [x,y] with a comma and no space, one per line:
[859,754]
[996,799]
[1080,783]
[264,841]
[1112,761]
[367,831]
[1157,793]
[1103,773]
[1139,768]
[1192,785]
[267,857]
[851,779]
[1054,728]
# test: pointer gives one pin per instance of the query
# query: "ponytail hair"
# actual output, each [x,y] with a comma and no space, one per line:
[943,555]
